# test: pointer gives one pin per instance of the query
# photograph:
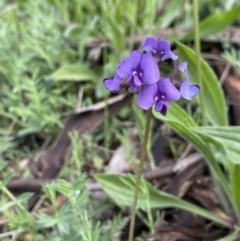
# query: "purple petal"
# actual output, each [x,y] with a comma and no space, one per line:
[122,61]
[188,91]
[162,107]
[137,81]
[165,107]
[133,86]
[113,85]
[159,105]
[146,96]
[149,69]
[183,66]
[194,90]
[150,44]
[164,49]
[168,90]
[185,90]
[126,68]
[135,58]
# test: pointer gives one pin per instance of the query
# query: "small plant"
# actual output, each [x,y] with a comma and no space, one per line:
[140,73]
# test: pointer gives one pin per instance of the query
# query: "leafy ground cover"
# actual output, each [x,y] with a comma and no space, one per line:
[68,150]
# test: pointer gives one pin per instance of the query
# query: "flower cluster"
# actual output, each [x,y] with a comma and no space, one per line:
[140,73]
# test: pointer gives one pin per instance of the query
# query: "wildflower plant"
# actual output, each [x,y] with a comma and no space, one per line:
[140,74]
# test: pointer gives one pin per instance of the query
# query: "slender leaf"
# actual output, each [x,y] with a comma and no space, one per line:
[235,180]
[229,136]
[231,237]
[215,23]
[176,112]
[121,189]
[214,100]
[178,124]
[170,13]
[75,72]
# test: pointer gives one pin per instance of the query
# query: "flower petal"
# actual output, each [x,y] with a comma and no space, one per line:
[126,68]
[188,91]
[168,90]
[150,45]
[183,66]
[122,61]
[137,81]
[162,107]
[133,86]
[146,96]
[149,69]
[159,105]
[113,85]
[185,90]
[164,49]
[194,90]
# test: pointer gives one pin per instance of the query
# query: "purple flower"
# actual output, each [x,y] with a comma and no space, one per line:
[187,91]
[114,85]
[158,47]
[159,93]
[139,69]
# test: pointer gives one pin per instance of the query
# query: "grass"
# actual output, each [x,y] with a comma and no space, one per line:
[38,39]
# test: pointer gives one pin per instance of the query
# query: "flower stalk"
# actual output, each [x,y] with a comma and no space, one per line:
[139,174]
[198,59]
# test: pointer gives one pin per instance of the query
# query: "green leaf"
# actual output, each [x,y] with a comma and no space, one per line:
[227,135]
[231,237]
[4,206]
[24,197]
[7,177]
[214,100]
[182,123]
[171,12]
[75,72]
[121,189]
[3,165]
[176,112]
[215,23]
[235,180]
[46,221]
[177,122]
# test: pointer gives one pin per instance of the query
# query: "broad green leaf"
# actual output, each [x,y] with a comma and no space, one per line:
[229,136]
[214,100]
[75,72]
[215,23]
[121,189]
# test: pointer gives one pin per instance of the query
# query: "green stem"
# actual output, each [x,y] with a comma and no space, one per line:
[139,174]
[198,60]
[11,197]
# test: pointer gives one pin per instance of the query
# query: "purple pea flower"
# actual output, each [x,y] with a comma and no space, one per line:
[158,93]
[187,91]
[114,85]
[136,71]
[158,47]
